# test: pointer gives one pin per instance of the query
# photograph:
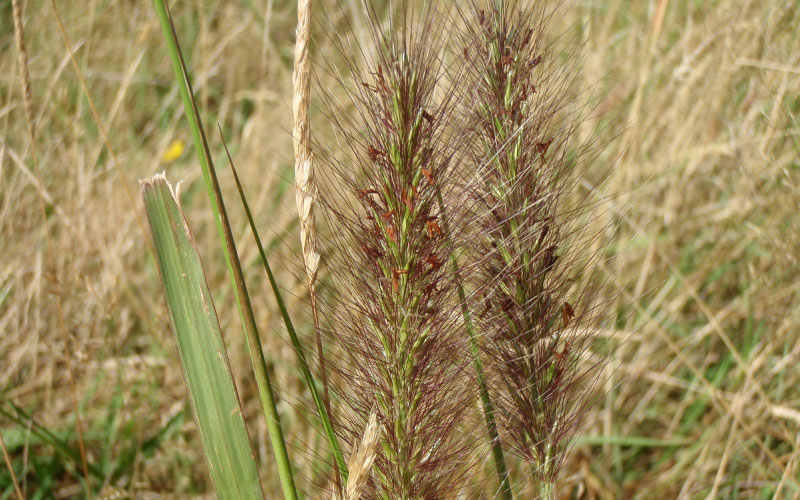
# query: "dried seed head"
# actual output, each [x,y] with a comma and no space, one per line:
[304,174]
[360,465]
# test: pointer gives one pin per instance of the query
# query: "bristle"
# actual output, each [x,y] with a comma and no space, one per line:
[396,323]
[528,314]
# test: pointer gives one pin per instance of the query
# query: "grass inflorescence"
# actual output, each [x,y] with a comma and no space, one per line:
[396,322]
[699,243]
[522,175]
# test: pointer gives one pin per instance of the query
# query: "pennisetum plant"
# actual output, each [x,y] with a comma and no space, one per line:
[529,312]
[438,185]
[396,320]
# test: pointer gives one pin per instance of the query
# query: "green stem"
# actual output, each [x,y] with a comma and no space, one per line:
[298,349]
[486,400]
[547,490]
[231,256]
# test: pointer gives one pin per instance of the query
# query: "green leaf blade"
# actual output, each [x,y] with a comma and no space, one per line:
[204,360]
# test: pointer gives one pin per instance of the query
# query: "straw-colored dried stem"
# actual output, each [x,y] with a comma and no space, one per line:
[22,59]
[8,462]
[19,37]
[305,182]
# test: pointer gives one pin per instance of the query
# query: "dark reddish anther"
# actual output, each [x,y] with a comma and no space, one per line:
[374,153]
[396,279]
[433,228]
[526,40]
[487,306]
[434,261]
[561,356]
[382,81]
[543,234]
[371,252]
[428,175]
[431,287]
[550,258]
[542,147]
[567,314]
[409,199]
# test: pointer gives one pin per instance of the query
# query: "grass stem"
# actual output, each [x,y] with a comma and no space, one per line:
[231,256]
[11,469]
[486,400]
[298,348]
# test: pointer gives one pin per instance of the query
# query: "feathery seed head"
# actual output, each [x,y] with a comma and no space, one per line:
[396,323]
[529,314]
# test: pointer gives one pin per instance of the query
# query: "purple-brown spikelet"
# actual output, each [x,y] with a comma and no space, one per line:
[531,320]
[396,326]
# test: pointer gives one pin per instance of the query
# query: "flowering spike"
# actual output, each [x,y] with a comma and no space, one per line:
[396,323]
[520,180]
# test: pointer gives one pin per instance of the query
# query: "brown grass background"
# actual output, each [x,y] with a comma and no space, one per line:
[697,108]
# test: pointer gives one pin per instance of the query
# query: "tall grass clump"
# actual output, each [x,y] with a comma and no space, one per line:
[396,320]
[442,176]
[531,315]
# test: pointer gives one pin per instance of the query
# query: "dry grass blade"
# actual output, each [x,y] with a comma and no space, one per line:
[204,359]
